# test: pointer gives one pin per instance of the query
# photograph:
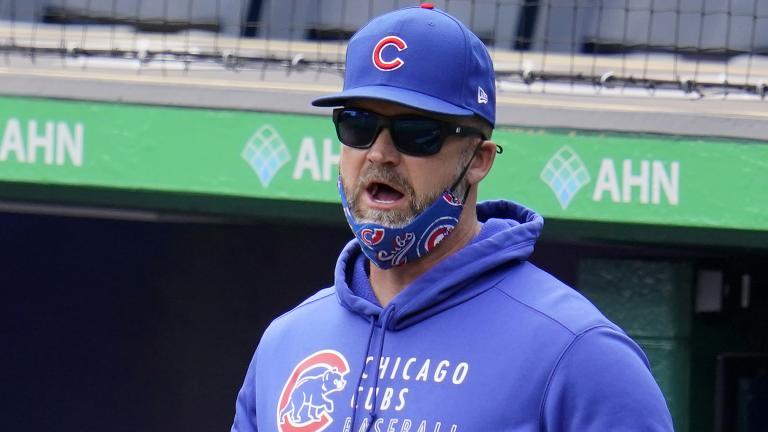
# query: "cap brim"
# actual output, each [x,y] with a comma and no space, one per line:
[409,98]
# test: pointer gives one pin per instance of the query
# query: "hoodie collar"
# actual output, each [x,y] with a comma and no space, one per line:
[508,234]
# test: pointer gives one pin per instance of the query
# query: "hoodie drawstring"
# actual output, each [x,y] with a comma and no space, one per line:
[372,415]
[362,371]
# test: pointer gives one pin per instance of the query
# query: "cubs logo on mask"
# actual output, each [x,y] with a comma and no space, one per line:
[436,232]
[306,403]
[372,237]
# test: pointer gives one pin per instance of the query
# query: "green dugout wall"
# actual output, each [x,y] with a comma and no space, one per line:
[590,187]
[579,177]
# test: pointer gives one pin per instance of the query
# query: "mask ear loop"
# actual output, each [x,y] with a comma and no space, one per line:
[464,172]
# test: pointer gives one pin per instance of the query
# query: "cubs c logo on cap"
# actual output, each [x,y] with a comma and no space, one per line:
[378,59]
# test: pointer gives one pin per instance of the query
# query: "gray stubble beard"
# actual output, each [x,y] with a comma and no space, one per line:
[416,203]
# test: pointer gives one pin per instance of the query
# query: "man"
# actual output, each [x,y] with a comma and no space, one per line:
[436,322]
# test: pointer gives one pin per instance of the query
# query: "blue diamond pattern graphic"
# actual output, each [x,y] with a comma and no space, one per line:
[266,153]
[565,174]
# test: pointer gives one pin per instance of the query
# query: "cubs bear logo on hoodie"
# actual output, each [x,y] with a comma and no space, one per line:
[305,404]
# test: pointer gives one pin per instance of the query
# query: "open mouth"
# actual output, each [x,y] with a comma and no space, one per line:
[383,193]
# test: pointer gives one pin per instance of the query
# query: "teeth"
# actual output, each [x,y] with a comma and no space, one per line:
[374,190]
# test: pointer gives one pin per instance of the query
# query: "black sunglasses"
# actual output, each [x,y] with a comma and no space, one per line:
[412,135]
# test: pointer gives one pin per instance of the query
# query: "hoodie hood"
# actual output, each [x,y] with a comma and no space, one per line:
[509,234]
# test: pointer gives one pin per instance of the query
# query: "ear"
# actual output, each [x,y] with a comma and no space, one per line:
[482,162]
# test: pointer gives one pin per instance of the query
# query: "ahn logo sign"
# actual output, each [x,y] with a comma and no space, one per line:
[626,181]
[267,153]
[565,174]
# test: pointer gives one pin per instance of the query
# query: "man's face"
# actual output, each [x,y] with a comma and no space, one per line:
[387,187]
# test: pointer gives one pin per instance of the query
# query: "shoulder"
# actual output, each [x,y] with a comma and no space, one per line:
[320,299]
[595,364]
[543,295]
[310,309]
[602,381]
[314,300]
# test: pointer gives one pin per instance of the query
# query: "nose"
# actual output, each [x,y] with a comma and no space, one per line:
[383,149]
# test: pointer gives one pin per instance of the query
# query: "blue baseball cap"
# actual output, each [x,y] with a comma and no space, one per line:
[423,58]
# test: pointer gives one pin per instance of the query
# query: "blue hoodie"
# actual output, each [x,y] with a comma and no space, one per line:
[484,341]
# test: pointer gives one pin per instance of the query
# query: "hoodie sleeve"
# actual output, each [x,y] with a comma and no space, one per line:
[602,382]
[245,407]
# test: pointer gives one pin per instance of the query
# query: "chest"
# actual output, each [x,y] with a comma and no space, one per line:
[439,376]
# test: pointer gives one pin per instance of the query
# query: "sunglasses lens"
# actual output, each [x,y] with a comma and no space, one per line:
[417,136]
[356,128]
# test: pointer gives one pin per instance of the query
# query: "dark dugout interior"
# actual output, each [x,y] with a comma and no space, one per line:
[112,325]
[122,325]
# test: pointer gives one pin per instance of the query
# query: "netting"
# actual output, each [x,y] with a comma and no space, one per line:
[691,47]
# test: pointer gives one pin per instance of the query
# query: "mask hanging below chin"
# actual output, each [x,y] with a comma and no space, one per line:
[388,247]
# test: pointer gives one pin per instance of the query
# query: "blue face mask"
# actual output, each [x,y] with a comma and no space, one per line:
[391,247]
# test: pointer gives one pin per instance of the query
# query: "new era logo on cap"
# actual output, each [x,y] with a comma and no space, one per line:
[378,58]
[481,96]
